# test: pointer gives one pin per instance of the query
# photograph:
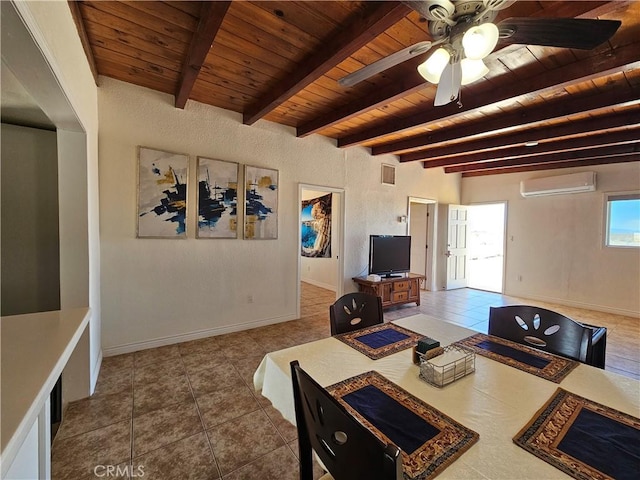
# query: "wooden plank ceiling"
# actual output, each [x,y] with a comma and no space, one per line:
[280,61]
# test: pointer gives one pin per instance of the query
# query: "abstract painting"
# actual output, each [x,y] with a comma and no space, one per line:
[316,227]
[162,193]
[217,199]
[261,203]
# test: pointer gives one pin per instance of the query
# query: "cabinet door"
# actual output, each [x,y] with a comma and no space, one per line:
[385,292]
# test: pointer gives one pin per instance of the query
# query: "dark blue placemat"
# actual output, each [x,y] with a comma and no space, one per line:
[511,352]
[380,340]
[542,364]
[405,428]
[584,439]
[428,439]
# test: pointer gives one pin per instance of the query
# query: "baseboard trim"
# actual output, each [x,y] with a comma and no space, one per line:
[185,337]
[586,306]
[95,373]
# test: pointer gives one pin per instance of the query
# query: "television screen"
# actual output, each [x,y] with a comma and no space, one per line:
[389,254]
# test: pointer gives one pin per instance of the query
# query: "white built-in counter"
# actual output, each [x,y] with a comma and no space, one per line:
[36,348]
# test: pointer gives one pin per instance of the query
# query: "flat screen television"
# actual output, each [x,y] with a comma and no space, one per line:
[389,255]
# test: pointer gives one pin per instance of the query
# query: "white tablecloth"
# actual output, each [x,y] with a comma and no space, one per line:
[496,401]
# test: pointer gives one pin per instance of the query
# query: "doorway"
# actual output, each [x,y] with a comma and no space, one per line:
[421,228]
[486,244]
[320,262]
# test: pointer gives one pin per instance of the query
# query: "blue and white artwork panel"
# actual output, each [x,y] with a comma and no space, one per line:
[217,198]
[162,193]
[261,203]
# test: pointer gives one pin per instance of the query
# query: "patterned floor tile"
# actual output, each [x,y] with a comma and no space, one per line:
[243,440]
[189,458]
[226,404]
[79,456]
[165,391]
[162,427]
[95,412]
[220,377]
[151,372]
[280,464]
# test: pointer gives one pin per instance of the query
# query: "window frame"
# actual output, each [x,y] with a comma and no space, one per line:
[608,199]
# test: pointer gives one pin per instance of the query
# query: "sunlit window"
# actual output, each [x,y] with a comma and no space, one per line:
[623,220]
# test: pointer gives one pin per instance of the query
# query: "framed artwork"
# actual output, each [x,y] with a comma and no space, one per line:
[315,233]
[261,203]
[162,193]
[217,199]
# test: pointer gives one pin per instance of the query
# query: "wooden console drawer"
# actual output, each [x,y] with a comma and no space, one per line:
[393,291]
[401,286]
[400,296]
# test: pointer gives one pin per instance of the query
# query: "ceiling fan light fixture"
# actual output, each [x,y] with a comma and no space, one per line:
[480,40]
[472,70]
[432,67]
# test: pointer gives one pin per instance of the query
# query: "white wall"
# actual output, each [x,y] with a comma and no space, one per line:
[323,272]
[162,291]
[30,245]
[556,245]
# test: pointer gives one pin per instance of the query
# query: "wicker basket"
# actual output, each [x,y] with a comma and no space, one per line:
[456,362]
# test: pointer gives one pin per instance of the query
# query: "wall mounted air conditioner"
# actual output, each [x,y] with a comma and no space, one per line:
[560,185]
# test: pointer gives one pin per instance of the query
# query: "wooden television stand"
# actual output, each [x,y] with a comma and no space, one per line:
[393,291]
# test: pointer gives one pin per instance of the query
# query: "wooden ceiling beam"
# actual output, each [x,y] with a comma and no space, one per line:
[589,68]
[493,146]
[211,16]
[409,84]
[546,148]
[623,158]
[512,122]
[74,6]
[378,18]
[584,154]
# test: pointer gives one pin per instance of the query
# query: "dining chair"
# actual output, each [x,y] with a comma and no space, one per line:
[354,311]
[346,448]
[549,331]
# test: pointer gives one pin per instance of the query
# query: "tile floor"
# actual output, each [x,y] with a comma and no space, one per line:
[189,411]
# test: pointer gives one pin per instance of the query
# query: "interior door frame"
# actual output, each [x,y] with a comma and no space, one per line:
[432,210]
[340,239]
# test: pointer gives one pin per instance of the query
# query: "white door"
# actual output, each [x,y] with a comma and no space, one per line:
[457,247]
[418,231]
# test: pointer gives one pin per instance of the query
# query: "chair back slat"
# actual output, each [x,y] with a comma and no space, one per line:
[354,311]
[546,330]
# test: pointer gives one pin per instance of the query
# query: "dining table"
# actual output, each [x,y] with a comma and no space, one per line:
[496,400]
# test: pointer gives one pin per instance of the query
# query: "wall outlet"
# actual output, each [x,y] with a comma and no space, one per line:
[249,298]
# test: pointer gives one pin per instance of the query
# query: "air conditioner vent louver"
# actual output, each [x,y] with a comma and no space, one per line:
[388,175]
[559,185]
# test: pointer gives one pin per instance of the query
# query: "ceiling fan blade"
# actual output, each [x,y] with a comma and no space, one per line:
[385,63]
[449,84]
[579,33]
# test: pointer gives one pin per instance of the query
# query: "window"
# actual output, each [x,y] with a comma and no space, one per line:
[623,220]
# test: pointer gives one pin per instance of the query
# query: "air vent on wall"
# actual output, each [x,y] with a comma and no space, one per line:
[388,174]
[560,185]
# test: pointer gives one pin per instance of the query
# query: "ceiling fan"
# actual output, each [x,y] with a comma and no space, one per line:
[464,31]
